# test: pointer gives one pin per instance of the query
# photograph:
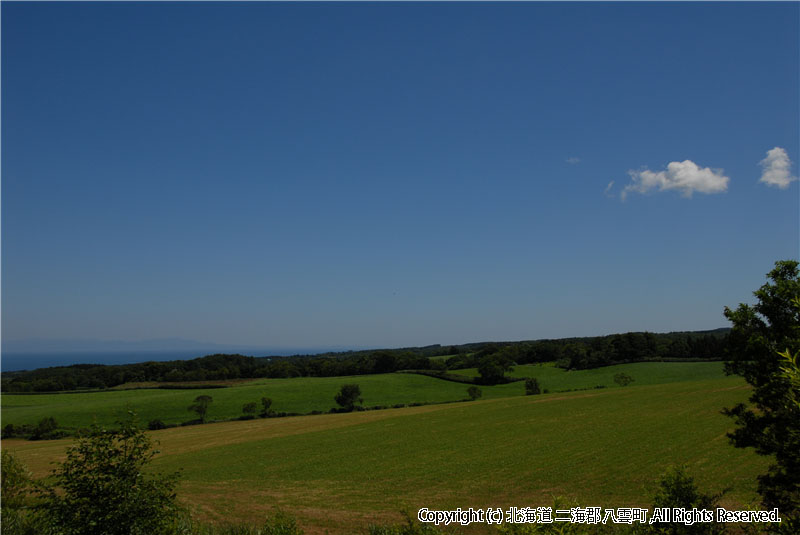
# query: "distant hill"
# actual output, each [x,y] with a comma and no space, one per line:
[98,370]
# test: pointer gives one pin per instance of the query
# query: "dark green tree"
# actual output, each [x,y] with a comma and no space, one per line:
[474,392]
[46,428]
[771,424]
[532,387]
[249,409]
[622,379]
[348,397]
[677,489]
[102,489]
[266,403]
[200,406]
[491,370]
[20,515]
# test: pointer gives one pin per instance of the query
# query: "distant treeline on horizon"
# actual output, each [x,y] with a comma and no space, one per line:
[568,353]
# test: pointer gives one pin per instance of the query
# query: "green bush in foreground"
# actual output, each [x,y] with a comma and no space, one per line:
[101,487]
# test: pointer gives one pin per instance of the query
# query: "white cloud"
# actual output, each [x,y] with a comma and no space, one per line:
[573,160]
[608,189]
[684,176]
[776,167]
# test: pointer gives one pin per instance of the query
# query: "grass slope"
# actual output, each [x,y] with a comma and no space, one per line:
[341,471]
[306,394]
[643,373]
[300,395]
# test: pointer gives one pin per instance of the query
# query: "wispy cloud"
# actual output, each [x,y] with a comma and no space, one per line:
[776,169]
[686,177]
[573,160]
[607,191]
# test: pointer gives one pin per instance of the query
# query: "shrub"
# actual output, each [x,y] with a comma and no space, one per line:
[348,396]
[678,489]
[532,387]
[200,406]
[156,424]
[623,379]
[474,392]
[46,429]
[19,516]
[266,403]
[249,409]
[102,488]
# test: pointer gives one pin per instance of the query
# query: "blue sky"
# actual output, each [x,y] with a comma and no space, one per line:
[363,175]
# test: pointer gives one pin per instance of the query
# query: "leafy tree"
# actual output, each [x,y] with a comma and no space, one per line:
[47,428]
[349,396]
[266,403]
[623,379]
[677,489]
[474,392]
[17,484]
[249,409]
[791,372]
[154,425]
[532,387]
[200,406]
[771,424]
[102,487]
[491,371]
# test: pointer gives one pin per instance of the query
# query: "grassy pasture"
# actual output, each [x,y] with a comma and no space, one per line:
[300,395]
[337,472]
[643,373]
[306,394]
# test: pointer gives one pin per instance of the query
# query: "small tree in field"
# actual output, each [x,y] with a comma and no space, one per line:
[348,397]
[103,487]
[249,409]
[623,379]
[474,392]
[266,403]
[532,387]
[491,371]
[200,406]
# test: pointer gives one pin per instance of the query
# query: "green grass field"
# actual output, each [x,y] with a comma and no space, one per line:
[299,395]
[303,395]
[643,373]
[338,472]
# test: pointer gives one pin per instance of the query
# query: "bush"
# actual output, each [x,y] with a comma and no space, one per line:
[348,397]
[47,429]
[491,371]
[678,489]
[154,425]
[249,409]
[623,379]
[474,392]
[266,411]
[532,387]
[200,406]
[102,488]
[19,515]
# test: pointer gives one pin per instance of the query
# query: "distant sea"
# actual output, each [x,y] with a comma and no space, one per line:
[12,361]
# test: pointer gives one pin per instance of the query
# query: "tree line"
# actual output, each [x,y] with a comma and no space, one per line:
[569,353]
